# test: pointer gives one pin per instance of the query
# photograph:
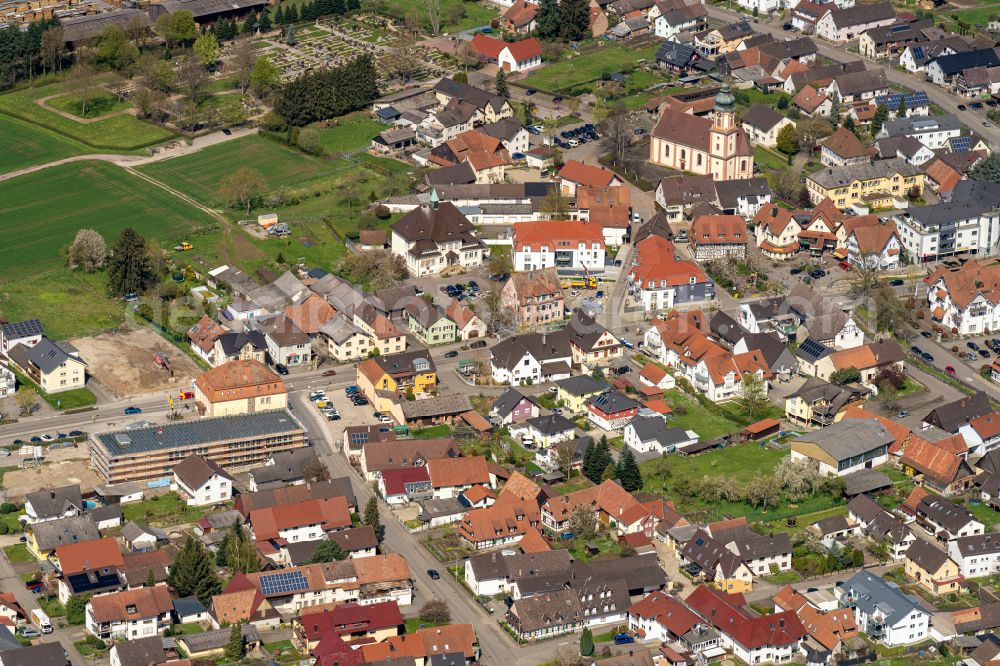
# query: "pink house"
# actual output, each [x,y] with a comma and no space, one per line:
[513,407]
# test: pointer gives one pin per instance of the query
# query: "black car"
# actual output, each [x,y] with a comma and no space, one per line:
[896,283]
[433,574]
[984,353]
[928,357]
[473,285]
[530,91]
[795,271]
[76,433]
[972,345]
[556,99]
[917,350]
[961,107]
[281,368]
[639,131]
[927,334]
[788,26]
[817,274]
[975,106]
[17,442]
[622,369]
[451,354]
[227,131]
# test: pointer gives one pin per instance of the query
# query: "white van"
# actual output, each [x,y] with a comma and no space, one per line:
[41,620]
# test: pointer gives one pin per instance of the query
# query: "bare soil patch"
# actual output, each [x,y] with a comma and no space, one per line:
[18,482]
[123,362]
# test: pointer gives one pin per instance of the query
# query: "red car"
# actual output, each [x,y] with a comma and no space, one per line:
[329,373]
[846,266]
[950,370]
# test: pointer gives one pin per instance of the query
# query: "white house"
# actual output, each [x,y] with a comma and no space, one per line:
[544,431]
[651,434]
[883,612]
[519,56]
[137,613]
[966,299]
[876,246]
[436,236]
[968,223]
[561,244]
[202,481]
[841,25]
[977,556]
[531,358]
[762,123]
[934,132]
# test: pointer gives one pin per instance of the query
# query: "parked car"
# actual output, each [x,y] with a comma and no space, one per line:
[281,368]
[451,354]
[788,26]
[917,350]
[623,639]
[984,353]
[817,274]
[433,574]
[949,369]
[961,107]
[529,91]
[30,632]
[896,283]
[928,357]
[846,266]
[133,410]
[975,106]
[622,369]
[795,271]
[927,334]
[478,344]
[902,414]
[329,373]
[556,99]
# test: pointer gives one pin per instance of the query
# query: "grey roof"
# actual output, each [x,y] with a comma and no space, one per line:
[950,516]
[654,427]
[285,467]
[7,640]
[675,53]
[865,481]
[455,174]
[339,329]
[709,554]
[356,538]
[958,62]
[917,125]
[543,347]
[873,594]
[832,525]
[504,129]
[220,520]
[970,198]
[551,424]
[282,330]
[728,192]
[55,501]
[726,328]
[448,659]
[437,508]
[849,438]
[406,362]
[508,400]
[980,544]
[188,606]
[862,14]
[519,566]
[581,385]
[195,470]
[48,356]
[133,530]
[214,640]
[208,8]
[812,350]
[764,545]
[953,415]
[856,83]
[105,512]
[926,555]
[436,406]
[63,531]
[844,175]
[762,117]
[612,401]
[140,651]
[584,331]
[192,433]
[43,654]
[265,499]
[477,96]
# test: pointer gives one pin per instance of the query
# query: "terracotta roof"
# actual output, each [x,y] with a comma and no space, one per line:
[969,281]
[874,239]
[148,602]
[311,314]
[987,425]
[521,50]
[556,233]
[788,599]
[866,356]
[827,211]
[89,555]
[533,542]
[586,175]
[521,13]
[372,236]
[830,627]
[237,605]
[718,229]
[349,618]
[668,611]
[658,405]
[936,462]
[239,380]
[726,614]
[774,217]
[653,372]
[204,333]
[943,174]
[518,487]
[478,493]
[332,513]
[381,568]
[657,263]
[533,284]
[845,144]
[505,518]
[459,314]
[608,497]
[447,472]
[808,99]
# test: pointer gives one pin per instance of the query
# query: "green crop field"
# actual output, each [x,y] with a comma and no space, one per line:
[28,145]
[41,212]
[118,133]
[570,72]
[200,174]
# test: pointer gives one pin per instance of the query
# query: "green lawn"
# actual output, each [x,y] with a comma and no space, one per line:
[910,387]
[473,14]
[42,211]
[979,16]
[984,514]
[101,105]
[767,159]
[412,624]
[696,417]
[119,133]
[52,607]
[432,432]
[72,399]
[571,70]
[349,134]
[200,175]
[70,304]
[162,510]
[28,145]
[18,553]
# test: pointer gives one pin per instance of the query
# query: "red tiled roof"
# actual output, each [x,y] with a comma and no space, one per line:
[553,232]
[533,542]
[447,472]
[586,175]
[331,513]
[89,555]
[718,229]
[395,480]
[349,618]
[725,613]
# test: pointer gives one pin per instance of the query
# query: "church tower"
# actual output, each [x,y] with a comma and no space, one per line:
[723,133]
[724,115]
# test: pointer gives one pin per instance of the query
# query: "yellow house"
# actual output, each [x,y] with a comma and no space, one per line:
[738,580]
[384,379]
[46,536]
[932,568]
[573,392]
[878,185]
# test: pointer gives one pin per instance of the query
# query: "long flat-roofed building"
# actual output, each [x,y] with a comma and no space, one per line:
[229,441]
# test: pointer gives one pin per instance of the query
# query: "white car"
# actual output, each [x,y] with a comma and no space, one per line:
[385,418]
[573,143]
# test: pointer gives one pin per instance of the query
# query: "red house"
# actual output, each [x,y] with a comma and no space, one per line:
[611,410]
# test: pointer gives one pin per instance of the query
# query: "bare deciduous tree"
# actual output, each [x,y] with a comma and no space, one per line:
[617,132]
[53,48]
[193,79]
[85,85]
[243,188]
[433,8]
[26,399]
[242,62]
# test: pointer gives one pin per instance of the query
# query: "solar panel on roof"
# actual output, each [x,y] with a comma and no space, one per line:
[962,144]
[918,52]
[812,347]
[23,329]
[284,582]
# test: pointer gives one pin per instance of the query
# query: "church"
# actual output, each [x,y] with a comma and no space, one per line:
[712,146]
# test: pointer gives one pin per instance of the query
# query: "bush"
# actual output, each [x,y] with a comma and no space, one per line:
[382,212]
[3,528]
[8,507]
